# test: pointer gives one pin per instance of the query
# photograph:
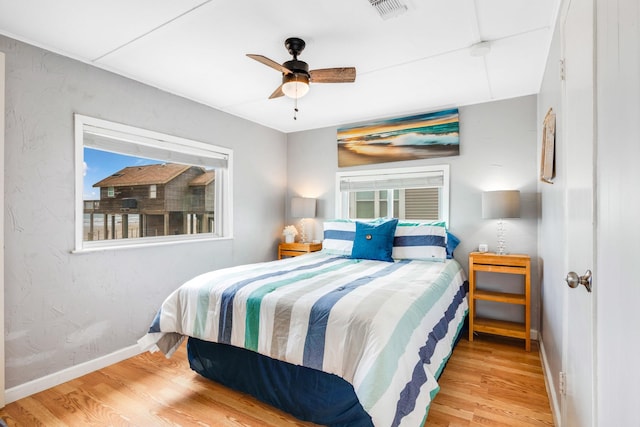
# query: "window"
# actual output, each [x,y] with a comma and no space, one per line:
[135,186]
[420,193]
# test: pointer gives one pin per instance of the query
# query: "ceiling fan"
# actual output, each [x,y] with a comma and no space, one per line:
[296,75]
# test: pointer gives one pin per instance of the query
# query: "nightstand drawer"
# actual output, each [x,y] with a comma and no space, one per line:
[295,249]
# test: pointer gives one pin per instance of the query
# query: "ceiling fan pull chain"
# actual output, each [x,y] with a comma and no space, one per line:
[295,109]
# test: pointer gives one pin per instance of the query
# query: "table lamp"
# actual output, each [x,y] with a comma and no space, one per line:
[303,208]
[500,205]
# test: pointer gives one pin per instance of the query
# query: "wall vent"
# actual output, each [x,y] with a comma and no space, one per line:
[389,8]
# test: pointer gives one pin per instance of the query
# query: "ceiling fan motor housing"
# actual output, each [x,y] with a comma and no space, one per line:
[296,66]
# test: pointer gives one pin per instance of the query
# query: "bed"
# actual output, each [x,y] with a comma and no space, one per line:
[328,337]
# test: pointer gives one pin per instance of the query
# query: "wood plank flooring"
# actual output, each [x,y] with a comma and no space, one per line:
[489,382]
[492,382]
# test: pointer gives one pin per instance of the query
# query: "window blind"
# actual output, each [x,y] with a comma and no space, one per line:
[151,148]
[431,179]
[421,203]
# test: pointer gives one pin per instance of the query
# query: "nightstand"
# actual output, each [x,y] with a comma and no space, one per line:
[507,264]
[295,249]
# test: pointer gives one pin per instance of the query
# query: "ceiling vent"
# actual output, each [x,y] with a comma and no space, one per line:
[389,8]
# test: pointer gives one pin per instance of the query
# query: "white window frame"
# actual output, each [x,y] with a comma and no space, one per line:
[143,139]
[153,191]
[371,175]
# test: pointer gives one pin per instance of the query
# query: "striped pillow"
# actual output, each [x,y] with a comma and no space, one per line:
[421,241]
[338,236]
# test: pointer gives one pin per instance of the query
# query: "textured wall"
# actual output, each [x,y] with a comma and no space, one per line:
[552,223]
[62,308]
[497,151]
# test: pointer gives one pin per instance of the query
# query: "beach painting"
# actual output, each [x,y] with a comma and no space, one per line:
[421,136]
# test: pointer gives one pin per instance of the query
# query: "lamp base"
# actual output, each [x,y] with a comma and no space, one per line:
[304,238]
[501,250]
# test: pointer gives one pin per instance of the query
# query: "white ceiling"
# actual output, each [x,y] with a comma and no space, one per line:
[419,61]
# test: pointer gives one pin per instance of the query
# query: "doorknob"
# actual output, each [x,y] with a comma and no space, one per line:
[573,280]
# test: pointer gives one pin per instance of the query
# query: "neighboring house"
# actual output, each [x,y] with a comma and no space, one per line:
[153,200]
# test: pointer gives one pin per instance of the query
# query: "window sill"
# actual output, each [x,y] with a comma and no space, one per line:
[138,243]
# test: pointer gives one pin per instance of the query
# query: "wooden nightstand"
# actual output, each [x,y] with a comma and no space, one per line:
[509,264]
[295,249]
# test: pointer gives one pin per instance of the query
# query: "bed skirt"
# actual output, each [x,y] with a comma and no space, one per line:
[305,393]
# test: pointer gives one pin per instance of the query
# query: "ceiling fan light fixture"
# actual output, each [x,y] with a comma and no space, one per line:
[295,85]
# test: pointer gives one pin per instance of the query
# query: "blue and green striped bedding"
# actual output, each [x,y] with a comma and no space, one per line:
[387,328]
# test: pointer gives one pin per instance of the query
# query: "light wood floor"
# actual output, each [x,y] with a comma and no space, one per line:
[490,382]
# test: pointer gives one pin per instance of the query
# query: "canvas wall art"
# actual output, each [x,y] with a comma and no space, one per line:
[422,136]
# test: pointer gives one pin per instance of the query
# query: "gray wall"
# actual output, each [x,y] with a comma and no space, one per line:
[62,308]
[552,222]
[497,151]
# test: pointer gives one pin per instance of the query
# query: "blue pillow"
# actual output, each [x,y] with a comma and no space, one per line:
[452,244]
[374,241]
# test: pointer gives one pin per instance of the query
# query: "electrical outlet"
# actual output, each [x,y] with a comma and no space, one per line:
[563,383]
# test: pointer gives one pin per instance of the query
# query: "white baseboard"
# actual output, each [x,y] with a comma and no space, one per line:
[550,384]
[27,389]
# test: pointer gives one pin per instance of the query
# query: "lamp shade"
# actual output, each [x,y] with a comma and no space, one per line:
[303,207]
[501,204]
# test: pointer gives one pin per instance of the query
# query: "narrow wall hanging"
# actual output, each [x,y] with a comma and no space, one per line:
[422,136]
[547,160]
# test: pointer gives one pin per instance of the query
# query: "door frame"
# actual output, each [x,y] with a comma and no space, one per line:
[2,91]
[569,295]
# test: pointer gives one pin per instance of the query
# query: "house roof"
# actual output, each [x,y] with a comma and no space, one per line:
[204,179]
[143,175]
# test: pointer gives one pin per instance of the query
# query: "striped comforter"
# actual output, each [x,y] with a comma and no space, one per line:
[386,328]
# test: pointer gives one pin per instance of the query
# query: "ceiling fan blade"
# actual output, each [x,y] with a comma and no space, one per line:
[277,93]
[333,75]
[269,62]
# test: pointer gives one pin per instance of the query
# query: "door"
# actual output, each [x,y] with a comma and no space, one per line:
[2,229]
[578,123]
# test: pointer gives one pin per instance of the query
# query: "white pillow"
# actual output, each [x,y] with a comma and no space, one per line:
[338,236]
[421,241]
